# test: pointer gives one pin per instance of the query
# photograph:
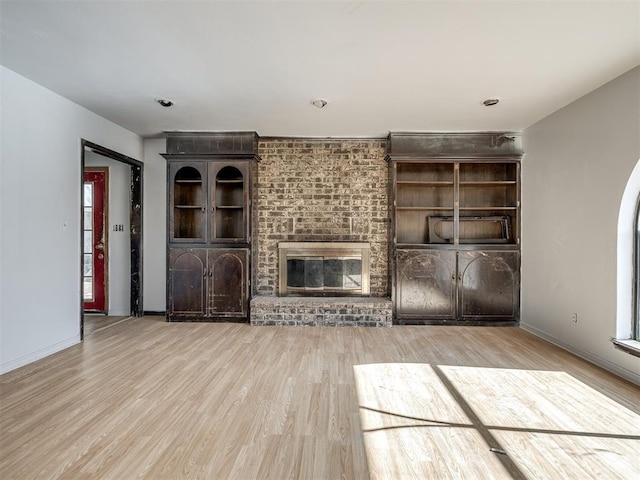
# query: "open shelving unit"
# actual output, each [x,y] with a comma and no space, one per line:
[455,211]
[456,203]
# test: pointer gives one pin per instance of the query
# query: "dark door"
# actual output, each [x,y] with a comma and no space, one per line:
[188,282]
[94,250]
[228,270]
[426,284]
[489,285]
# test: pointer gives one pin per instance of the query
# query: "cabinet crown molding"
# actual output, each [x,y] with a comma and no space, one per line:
[455,145]
[212,143]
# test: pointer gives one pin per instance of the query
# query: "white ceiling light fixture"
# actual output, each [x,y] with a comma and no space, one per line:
[489,102]
[320,103]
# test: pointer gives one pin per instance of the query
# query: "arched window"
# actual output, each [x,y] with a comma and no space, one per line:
[627,335]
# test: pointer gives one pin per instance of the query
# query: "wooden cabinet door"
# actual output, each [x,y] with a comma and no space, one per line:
[426,282]
[489,285]
[228,202]
[229,274]
[187,282]
[187,202]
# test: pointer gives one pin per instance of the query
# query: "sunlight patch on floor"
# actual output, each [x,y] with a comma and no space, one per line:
[431,421]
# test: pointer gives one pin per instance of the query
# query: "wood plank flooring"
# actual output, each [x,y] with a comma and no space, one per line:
[156,400]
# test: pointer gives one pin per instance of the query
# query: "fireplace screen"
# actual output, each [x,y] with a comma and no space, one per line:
[311,268]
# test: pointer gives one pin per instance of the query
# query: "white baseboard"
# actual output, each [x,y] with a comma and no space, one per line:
[633,377]
[32,357]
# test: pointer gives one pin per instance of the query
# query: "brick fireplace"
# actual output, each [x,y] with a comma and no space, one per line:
[321,190]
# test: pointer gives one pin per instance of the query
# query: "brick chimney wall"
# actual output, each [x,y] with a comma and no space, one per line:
[321,190]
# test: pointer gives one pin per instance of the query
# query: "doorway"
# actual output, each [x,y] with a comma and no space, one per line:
[130,229]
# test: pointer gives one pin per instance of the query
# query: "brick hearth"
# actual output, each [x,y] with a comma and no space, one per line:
[321,311]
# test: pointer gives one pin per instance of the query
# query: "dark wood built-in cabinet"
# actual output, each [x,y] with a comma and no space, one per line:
[210,187]
[208,283]
[455,208]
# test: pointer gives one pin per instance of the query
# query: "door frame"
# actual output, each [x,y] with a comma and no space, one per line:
[105,216]
[135,214]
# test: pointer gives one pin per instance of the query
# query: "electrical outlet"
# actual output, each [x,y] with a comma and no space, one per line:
[574,317]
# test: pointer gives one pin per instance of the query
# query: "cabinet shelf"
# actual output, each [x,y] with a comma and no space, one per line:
[487,183]
[488,208]
[229,207]
[425,208]
[425,183]
[236,181]
[188,206]
[183,181]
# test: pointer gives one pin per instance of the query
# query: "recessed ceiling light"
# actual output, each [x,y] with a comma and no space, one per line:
[319,103]
[163,102]
[490,101]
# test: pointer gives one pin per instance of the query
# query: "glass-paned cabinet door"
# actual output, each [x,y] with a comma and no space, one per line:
[187,216]
[229,203]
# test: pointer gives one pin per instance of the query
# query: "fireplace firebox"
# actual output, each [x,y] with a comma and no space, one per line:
[324,268]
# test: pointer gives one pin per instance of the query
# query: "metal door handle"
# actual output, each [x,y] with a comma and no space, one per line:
[99,246]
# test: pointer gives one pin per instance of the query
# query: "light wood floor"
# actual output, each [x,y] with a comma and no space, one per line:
[156,400]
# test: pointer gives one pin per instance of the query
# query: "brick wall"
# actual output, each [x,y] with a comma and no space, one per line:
[321,190]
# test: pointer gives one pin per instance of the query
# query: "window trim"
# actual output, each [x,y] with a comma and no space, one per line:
[635,327]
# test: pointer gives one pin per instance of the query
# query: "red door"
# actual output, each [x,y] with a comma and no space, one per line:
[94,241]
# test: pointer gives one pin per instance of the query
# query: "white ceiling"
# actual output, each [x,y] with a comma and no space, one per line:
[382,66]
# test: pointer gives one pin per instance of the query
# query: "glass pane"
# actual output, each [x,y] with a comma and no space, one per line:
[88,242]
[87,286]
[88,194]
[88,264]
[88,218]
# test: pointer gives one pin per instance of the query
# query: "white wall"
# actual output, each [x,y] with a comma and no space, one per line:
[576,167]
[40,178]
[118,242]
[154,226]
